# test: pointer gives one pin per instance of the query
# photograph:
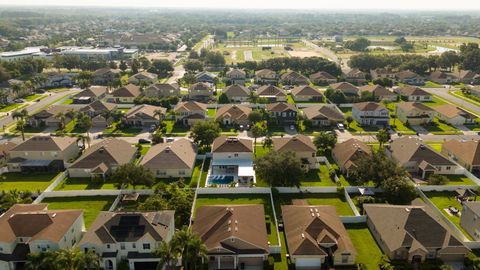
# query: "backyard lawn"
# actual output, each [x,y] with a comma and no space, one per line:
[319,177]
[443,200]
[261,151]
[83,184]
[368,252]
[203,180]
[34,97]
[243,199]
[30,182]
[459,179]
[90,205]
[343,208]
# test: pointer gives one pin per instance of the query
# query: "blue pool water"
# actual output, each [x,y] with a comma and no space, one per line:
[220,179]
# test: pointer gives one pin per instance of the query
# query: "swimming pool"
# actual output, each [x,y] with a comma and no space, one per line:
[220,180]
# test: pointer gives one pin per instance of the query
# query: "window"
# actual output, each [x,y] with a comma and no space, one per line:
[181,172]
[235,155]
[122,246]
[146,246]
[345,258]
[108,245]
[134,245]
[448,168]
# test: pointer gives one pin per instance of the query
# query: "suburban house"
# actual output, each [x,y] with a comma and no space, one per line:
[409,77]
[200,92]
[162,90]
[468,77]
[419,159]
[235,235]
[441,77]
[233,115]
[271,93]
[464,152]
[205,77]
[124,94]
[346,88]
[32,228]
[43,154]
[105,76]
[282,113]
[174,159]
[347,153]
[143,77]
[381,73]
[232,162]
[355,76]
[323,115]
[315,236]
[101,159]
[302,146]
[4,152]
[371,114]
[322,78]
[8,95]
[412,233]
[145,115]
[236,76]
[130,236]
[306,93]
[414,113]
[97,107]
[189,112]
[379,92]
[59,79]
[454,115]
[89,95]
[266,76]
[470,219]
[413,93]
[237,93]
[294,78]
[48,117]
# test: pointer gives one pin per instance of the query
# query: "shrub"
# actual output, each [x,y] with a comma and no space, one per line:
[364,199]
[437,179]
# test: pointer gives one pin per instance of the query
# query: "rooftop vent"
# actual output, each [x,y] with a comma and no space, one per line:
[54,215]
[303,235]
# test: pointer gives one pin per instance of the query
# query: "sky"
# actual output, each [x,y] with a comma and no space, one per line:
[404,5]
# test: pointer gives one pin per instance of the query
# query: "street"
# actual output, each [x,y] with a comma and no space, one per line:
[443,93]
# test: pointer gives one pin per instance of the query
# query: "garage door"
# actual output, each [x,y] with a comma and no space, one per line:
[307,263]
[382,123]
[145,265]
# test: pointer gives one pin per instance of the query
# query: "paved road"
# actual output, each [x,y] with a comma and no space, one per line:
[443,93]
[178,73]
[38,105]
[329,54]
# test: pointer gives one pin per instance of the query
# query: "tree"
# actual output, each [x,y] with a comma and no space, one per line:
[20,116]
[383,136]
[337,97]
[399,189]
[132,174]
[159,114]
[61,117]
[204,132]
[359,44]
[123,66]
[223,99]
[280,169]
[267,141]
[84,84]
[437,179]
[135,66]
[259,129]
[349,120]
[14,196]
[161,67]
[255,116]
[325,141]
[192,250]
[193,65]
[385,82]
[68,259]
[168,253]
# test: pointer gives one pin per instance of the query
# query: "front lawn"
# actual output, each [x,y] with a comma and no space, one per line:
[11,107]
[67,101]
[116,130]
[175,128]
[91,206]
[444,200]
[31,182]
[237,199]
[368,251]
[83,184]
[34,97]
[343,208]
[430,84]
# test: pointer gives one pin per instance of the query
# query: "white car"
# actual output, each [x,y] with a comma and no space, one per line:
[340,127]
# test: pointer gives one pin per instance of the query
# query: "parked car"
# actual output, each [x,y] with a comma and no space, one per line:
[340,127]
[143,141]
[18,100]
[169,139]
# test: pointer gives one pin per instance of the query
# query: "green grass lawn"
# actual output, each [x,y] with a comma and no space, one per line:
[211,113]
[343,208]
[34,97]
[430,84]
[67,101]
[115,130]
[175,128]
[261,151]
[290,99]
[459,94]
[443,200]
[368,251]
[90,205]
[244,199]
[203,180]
[439,128]
[83,184]
[436,101]
[14,106]
[31,182]
[461,179]
[319,177]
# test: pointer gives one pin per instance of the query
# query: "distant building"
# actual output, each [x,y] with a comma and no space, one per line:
[409,77]
[236,76]
[84,53]
[28,52]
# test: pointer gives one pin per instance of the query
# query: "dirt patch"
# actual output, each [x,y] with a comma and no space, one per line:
[303,54]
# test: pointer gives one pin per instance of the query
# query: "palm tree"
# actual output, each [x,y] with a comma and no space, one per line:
[84,121]
[106,114]
[84,139]
[168,254]
[159,114]
[21,126]
[87,260]
[193,251]
[62,117]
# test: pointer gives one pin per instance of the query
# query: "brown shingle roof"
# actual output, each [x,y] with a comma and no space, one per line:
[235,112]
[307,227]
[322,75]
[270,90]
[409,90]
[324,111]
[45,143]
[468,151]
[129,90]
[232,144]
[407,74]
[108,152]
[450,110]
[236,90]
[351,150]
[6,147]
[344,87]
[238,229]
[98,106]
[200,86]
[180,154]
[306,90]
[190,106]
[376,90]
[408,106]
[407,149]
[92,91]
[102,71]
[145,111]
[54,110]
[280,107]
[37,222]
[297,143]
[264,73]
[369,106]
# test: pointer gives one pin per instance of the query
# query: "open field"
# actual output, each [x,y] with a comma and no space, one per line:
[91,206]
